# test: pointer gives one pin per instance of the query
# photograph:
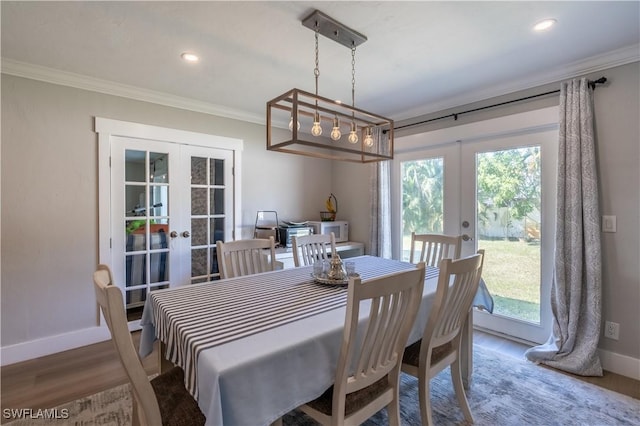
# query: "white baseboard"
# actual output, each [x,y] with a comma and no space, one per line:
[620,364]
[53,344]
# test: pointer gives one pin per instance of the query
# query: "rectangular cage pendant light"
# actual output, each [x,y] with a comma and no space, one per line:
[298,106]
[294,119]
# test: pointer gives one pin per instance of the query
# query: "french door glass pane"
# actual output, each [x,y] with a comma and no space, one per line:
[134,170]
[198,262]
[508,194]
[422,199]
[198,201]
[199,231]
[158,167]
[217,201]
[217,171]
[217,230]
[198,171]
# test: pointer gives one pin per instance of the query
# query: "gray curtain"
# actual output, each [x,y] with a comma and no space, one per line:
[380,208]
[576,286]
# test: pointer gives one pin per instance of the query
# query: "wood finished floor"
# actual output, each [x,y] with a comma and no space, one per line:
[56,379]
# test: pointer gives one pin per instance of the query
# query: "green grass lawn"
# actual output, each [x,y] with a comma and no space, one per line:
[512,274]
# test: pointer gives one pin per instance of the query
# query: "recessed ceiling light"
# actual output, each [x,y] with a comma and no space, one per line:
[190,57]
[544,25]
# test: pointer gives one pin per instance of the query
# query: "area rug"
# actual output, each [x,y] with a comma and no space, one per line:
[505,392]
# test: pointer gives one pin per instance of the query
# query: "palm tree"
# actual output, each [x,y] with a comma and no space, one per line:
[423,195]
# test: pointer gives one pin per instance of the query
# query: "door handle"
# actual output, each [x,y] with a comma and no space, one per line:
[173,234]
[465,237]
[186,234]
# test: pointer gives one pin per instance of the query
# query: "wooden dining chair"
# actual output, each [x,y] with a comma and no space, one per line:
[368,370]
[441,341]
[246,257]
[308,249]
[162,401]
[432,248]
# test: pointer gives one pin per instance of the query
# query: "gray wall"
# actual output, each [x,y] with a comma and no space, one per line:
[50,201]
[617,114]
[50,196]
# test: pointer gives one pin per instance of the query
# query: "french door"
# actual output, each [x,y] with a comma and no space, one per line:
[499,193]
[171,203]
[507,204]
[166,197]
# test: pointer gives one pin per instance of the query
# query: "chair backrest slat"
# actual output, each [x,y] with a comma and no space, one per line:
[308,249]
[432,248]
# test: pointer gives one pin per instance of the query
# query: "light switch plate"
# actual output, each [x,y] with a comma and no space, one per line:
[608,224]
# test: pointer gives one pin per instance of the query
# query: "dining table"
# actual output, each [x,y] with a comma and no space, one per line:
[255,347]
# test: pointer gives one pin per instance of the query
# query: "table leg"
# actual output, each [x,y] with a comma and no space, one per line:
[466,351]
[164,364]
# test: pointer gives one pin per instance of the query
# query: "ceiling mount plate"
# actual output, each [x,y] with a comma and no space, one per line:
[330,28]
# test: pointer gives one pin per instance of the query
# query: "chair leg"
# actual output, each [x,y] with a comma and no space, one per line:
[456,378]
[393,412]
[135,412]
[425,399]
[164,364]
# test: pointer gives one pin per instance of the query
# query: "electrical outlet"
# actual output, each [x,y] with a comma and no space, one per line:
[611,330]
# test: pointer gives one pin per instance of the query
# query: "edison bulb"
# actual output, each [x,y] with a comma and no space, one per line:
[316,130]
[335,132]
[368,139]
[353,135]
[291,124]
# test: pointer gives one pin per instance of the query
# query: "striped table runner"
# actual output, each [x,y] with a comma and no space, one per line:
[195,318]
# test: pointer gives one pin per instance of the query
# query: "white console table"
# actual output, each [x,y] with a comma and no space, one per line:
[345,250]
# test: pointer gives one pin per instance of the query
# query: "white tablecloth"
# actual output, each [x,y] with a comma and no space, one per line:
[256,379]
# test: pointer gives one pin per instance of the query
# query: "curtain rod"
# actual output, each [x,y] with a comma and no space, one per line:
[592,84]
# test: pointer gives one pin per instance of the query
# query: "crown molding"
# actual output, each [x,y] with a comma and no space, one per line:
[614,58]
[593,64]
[79,81]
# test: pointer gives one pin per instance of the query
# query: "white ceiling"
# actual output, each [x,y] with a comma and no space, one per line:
[420,57]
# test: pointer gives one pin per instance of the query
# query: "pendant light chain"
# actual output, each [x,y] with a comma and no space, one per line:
[353,134]
[316,71]
[353,76]
[316,129]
